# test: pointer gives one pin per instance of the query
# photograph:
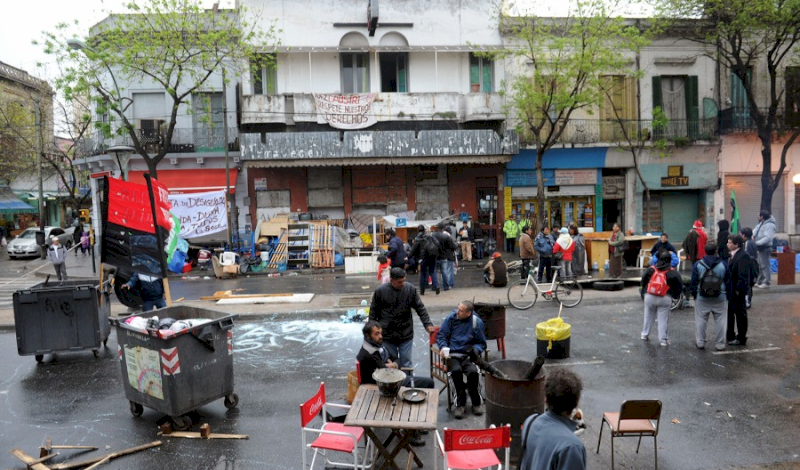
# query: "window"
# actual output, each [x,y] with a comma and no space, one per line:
[619,108]
[480,74]
[739,102]
[209,133]
[793,97]
[265,74]
[677,97]
[394,72]
[355,72]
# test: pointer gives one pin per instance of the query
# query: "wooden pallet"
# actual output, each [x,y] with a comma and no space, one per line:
[281,253]
[322,253]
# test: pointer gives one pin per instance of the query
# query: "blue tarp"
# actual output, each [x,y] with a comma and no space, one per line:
[773,264]
[11,204]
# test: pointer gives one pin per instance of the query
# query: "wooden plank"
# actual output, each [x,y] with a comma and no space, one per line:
[110,456]
[32,463]
[196,435]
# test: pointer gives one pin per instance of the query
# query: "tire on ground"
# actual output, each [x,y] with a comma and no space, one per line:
[608,285]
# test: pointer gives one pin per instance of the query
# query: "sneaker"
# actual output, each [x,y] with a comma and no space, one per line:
[437,291]
[736,342]
[665,343]
[761,286]
[644,337]
[459,413]
[478,410]
[416,440]
[700,346]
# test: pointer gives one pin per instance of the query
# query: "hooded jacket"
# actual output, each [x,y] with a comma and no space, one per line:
[763,234]
[566,244]
[544,244]
[674,280]
[396,252]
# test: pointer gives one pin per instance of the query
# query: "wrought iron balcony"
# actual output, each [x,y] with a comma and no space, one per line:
[738,119]
[597,131]
[191,140]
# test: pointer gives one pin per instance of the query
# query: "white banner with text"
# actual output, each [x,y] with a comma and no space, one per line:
[200,213]
[352,111]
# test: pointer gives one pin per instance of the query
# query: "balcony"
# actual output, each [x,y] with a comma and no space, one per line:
[462,107]
[184,140]
[733,120]
[607,132]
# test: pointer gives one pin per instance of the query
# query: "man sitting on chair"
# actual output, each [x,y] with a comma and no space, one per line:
[373,356]
[461,338]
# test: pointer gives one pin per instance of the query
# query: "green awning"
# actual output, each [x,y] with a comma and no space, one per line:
[11,204]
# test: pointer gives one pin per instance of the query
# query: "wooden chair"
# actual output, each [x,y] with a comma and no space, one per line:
[471,449]
[334,437]
[439,369]
[636,418]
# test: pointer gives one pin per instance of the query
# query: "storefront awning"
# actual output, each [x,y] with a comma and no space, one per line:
[193,180]
[11,204]
[561,159]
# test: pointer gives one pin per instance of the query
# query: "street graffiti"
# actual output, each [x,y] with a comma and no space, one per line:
[279,335]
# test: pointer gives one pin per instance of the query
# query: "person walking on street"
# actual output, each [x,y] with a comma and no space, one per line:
[76,237]
[750,249]
[695,242]
[723,231]
[709,279]
[477,237]
[544,247]
[445,263]
[579,255]
[616,250]
[396,252]
[526,252]
[84,243]
[465,242]
[549,440]
[495,273]
[659,284]
[740,274]
[391,307]
[566,246]
[763,234]
[511,230]
[461,338]
[426,249]
[57,255]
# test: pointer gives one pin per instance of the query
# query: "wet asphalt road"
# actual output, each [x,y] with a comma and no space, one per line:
[720,410]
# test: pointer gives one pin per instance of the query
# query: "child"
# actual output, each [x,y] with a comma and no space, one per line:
[384,267]
[84,243]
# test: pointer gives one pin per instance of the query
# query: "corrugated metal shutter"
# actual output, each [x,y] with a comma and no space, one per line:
[748,199]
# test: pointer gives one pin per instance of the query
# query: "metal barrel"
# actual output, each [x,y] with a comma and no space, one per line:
[494,319]
[511,401]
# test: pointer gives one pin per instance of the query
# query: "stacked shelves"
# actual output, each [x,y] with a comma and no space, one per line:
[299,244]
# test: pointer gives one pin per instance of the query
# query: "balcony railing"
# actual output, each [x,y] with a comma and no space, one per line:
[739,119]
[596,131]
[192,140]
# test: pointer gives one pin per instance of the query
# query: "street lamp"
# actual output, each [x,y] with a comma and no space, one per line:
[122,153]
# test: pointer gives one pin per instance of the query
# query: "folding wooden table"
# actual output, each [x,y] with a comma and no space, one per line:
[371,411]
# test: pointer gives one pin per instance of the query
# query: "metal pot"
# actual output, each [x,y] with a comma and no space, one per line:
[389,381]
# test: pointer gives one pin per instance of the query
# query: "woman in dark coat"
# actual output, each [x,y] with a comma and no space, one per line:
[722,238]
[396,252]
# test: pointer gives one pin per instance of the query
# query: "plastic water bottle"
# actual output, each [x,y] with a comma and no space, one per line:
[364,303]
[594,266]
[605,265]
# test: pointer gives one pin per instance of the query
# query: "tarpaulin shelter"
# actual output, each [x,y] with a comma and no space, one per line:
[11,204]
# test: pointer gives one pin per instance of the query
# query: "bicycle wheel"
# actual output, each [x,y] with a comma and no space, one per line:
[522,296]
[569,293]
[676,303]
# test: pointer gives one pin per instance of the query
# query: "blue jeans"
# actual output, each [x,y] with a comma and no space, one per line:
[427,268]
[446,267]
[148,305]
[479,249]
[401,351]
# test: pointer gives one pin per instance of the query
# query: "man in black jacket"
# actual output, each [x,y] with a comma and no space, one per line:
[391,308]
[447,257]
[740,274]
[396,252]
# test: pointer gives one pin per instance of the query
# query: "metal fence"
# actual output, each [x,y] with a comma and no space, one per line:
[592,131]
[184,140]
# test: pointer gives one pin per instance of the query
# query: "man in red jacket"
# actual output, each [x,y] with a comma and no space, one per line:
[695,242]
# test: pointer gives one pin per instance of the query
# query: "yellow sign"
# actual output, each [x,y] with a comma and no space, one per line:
[507,201]
[675,170]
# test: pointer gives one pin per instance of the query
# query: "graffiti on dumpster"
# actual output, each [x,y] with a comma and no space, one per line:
[63,306]
[144,370]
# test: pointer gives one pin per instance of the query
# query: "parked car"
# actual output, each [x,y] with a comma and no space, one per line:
[25,243]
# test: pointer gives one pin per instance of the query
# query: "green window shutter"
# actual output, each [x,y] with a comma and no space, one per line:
[487,76]
[692,107]
[272,78]
[657,99]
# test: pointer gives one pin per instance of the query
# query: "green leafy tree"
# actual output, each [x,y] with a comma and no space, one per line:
[561,63]
[175,44]
[752,39]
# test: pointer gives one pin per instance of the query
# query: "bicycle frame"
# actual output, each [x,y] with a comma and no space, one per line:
[536,285]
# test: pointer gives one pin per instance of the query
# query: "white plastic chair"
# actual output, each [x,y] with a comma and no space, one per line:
[643,260]
[228,258]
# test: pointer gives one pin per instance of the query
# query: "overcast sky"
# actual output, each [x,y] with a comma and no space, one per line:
[24,21]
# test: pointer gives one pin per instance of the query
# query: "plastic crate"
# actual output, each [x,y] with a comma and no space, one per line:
[178,374]
[60,316]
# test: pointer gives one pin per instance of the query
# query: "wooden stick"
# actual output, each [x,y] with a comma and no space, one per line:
[166,291]
[93,466]
[196,435]
[75,447]
[42,459]
[28,460]
[94,460]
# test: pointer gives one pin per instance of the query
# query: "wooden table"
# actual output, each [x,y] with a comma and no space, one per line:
[372,411]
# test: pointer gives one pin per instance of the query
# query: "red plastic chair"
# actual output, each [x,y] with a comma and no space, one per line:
[334,437]
[471,449]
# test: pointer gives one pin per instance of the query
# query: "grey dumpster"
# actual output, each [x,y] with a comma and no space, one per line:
[180,373]
[61,316]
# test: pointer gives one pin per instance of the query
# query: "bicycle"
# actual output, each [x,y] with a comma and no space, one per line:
[523,295]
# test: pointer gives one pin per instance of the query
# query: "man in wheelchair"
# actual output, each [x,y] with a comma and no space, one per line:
[461,340]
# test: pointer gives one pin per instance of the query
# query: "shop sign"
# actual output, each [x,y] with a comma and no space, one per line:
[572,177]
[672,181]
[614,187]
[507,201]
[401,222]
[260,184]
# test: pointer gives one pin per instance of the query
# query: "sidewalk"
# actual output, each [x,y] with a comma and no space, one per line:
[329,304]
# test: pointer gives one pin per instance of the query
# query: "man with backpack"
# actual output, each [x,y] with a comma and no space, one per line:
[659,283]
[741,274]
[709,279]
[426,249]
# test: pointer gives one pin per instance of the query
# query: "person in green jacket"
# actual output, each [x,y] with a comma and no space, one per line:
[615,251]
[511,229]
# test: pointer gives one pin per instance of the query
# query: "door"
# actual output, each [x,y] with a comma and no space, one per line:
[209,134]
[678,213]
[486,199]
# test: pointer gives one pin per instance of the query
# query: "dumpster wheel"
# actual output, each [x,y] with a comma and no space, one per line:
[182,423]
[136,409]
[39,358]
[231,401]
[96,353]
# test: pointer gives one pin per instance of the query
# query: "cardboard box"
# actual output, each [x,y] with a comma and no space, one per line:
[273,229]
[231,269]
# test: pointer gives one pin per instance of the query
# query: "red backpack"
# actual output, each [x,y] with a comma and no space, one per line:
[658,283]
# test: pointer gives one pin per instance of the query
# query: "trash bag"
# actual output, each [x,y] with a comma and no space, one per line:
[338,259]
[177,262]
[554,329]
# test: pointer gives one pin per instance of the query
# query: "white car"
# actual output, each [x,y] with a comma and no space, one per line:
[25,243]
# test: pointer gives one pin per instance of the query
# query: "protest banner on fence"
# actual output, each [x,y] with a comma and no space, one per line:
[200,214]
[353,111]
